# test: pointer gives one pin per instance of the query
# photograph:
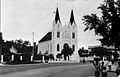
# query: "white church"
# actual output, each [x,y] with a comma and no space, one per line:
[54,41]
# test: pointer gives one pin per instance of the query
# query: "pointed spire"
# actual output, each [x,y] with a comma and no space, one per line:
[57,16]
[72,17]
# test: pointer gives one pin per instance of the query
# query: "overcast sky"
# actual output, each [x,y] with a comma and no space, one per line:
[22,17]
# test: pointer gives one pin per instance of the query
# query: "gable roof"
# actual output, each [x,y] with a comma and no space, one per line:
[47,37]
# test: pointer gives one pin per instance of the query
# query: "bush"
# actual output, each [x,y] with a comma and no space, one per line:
[51,57]
[38,57]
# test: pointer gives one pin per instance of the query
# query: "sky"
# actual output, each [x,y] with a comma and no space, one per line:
[20,18]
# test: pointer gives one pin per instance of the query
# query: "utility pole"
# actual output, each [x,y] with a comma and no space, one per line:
[33,45]
[1,41]
[1,56]
[32,56]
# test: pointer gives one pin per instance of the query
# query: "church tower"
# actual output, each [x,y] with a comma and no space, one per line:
[72,20]
[56,33]
[73,31]
[56,25]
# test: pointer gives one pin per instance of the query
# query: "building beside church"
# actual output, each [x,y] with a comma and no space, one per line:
[53,42]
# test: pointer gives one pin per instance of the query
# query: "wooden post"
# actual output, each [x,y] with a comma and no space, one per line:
[43,58]
[1,58]
[103,58]
[32,58]
[12,57]
[21,58]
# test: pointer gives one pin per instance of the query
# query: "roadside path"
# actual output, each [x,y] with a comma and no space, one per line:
[54,70]
[24,67]
[58,71]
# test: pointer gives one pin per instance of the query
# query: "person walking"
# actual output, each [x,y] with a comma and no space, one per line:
[97,69]
[84,61]
[118,69]
[109,65]
[102,66]
[104,72]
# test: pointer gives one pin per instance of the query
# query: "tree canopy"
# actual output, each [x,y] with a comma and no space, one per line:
[66,51]
[83,52]
[107,24]
[101,51]
[22,46]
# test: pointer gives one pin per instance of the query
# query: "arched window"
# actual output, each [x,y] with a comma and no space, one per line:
[58,47]
[58,34]
[73,35]
[73,47]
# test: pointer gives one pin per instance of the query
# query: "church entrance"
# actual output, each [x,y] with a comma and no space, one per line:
[65,46]
[65,51]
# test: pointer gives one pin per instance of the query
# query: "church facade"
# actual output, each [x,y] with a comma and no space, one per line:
[53,42]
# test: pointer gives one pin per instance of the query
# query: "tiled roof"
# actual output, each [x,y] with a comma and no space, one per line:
[47,37]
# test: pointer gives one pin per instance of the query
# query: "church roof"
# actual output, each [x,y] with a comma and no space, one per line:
[72,18]
[47,37]
[57,17]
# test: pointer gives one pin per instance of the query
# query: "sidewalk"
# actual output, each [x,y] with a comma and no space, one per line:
[112,72]
[113,67]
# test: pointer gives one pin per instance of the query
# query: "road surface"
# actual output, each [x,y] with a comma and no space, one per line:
[75,70]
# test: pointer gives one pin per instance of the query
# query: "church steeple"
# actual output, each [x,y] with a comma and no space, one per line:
[72,18]
[57,17]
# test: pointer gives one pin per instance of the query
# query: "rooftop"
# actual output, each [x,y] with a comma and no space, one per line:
[47,37]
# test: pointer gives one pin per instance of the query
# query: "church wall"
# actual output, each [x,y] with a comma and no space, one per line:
[61,42]
[45,46]
[55,42]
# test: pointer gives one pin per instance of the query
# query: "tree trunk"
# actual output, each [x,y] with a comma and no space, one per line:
[68,57]
[65,57]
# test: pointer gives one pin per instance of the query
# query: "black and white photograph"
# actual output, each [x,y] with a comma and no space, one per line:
[60,38]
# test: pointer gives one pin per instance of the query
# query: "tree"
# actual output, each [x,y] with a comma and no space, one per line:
[101,51]
[6,46]
[23,46]
[51,56]
[46,55]
[67,51]
[107,24]
[59,56]
[82,51]
[20,45]
[26,43]
[38,56]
